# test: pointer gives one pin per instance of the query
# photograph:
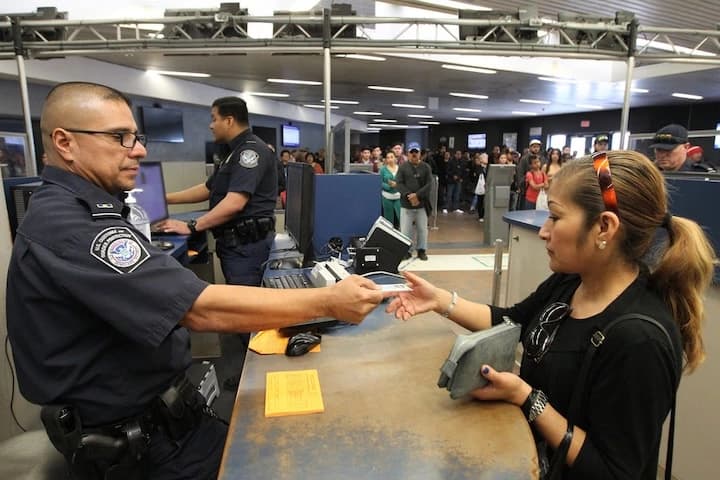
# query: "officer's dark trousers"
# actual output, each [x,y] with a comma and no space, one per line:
[243,264]
[196,456]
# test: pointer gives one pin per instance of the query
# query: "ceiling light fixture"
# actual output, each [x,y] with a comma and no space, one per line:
[518,112]
[687,96]
[469,95]
[368,113]
[332,107]
[179,74]
[592,107]
[293,82]
[429,123]
[557,80]
[639,90]
[473,110]
[343,102]
[356,56]
[538,102]
[266,94]
[383,120]
[386,125]
[407,105]
[416,115]
[469,69]
[468,119]
[390,89]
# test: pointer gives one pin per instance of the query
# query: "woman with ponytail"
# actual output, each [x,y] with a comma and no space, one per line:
[616,251]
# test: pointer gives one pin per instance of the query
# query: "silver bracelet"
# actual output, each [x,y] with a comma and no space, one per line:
[453,302]
[538,406]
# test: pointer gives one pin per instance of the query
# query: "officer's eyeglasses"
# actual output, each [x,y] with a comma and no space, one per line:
[542,336]
[126,139]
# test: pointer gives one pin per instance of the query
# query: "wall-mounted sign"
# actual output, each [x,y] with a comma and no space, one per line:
[585,123]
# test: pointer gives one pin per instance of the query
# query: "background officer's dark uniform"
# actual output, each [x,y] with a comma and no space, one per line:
[93,312]
[244,242]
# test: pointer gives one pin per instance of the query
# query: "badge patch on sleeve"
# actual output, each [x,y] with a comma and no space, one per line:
[249,158]
[119,249]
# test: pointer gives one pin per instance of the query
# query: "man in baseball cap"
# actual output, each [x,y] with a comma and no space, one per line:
[413,146]
[601,143]
[671,145]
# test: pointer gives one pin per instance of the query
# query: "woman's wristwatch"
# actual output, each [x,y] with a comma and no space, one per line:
[534,405]
[192,224]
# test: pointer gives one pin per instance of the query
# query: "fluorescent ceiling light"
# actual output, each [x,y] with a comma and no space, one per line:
[387,125]
[517,112]
[469,95]
[407,105]
[585,105]
[332,107]
[266,94]
[621,86]
[429,123]
[355,56]
[416,115]
[293,82]
[368,113]
[687,96]
[383,120]
[557,80]
[373,130]
[179,74]
[538,102]
[486,71]
[343,102]
[390,89]
[468,119]
[474,110]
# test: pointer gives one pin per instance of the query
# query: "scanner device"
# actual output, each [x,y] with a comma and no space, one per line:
[328,273]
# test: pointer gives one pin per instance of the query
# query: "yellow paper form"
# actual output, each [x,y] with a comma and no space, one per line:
[293,393]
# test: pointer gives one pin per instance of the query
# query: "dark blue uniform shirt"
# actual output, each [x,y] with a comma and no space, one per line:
[92,308]
[250,168]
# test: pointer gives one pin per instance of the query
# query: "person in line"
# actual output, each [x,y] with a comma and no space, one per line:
[98,318]
[607,214]
[601,143]
[390,195]
[414,182]
[478,202]
[535,181]
[555,162]
[310,159]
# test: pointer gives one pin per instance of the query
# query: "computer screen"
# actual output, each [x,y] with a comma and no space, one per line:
[163,124]
[290,136]
[152,197]
[299,207]
[477,141]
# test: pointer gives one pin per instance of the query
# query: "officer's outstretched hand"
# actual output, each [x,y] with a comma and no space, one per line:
[353,298]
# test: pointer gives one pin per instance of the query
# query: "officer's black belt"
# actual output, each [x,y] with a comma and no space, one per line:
[244,231]
[96,450]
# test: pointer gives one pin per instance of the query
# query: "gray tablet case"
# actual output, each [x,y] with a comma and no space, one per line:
[496,346]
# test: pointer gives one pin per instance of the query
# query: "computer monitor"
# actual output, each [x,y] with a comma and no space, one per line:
[152,198]
[299,207]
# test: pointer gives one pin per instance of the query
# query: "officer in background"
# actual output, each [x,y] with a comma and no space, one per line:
[671,147]
[98,318]
[242,192]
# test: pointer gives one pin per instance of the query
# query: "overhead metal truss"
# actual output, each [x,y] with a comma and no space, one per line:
[224,33]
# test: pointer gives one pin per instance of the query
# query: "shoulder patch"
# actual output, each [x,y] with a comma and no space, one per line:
[119,249]
[249,158]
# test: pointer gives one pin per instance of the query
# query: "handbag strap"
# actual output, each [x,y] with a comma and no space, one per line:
[596,340]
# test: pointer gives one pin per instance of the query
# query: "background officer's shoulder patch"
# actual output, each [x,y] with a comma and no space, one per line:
[249,158]
[119,249]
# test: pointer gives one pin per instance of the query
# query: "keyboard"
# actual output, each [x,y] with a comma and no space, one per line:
[290,280]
